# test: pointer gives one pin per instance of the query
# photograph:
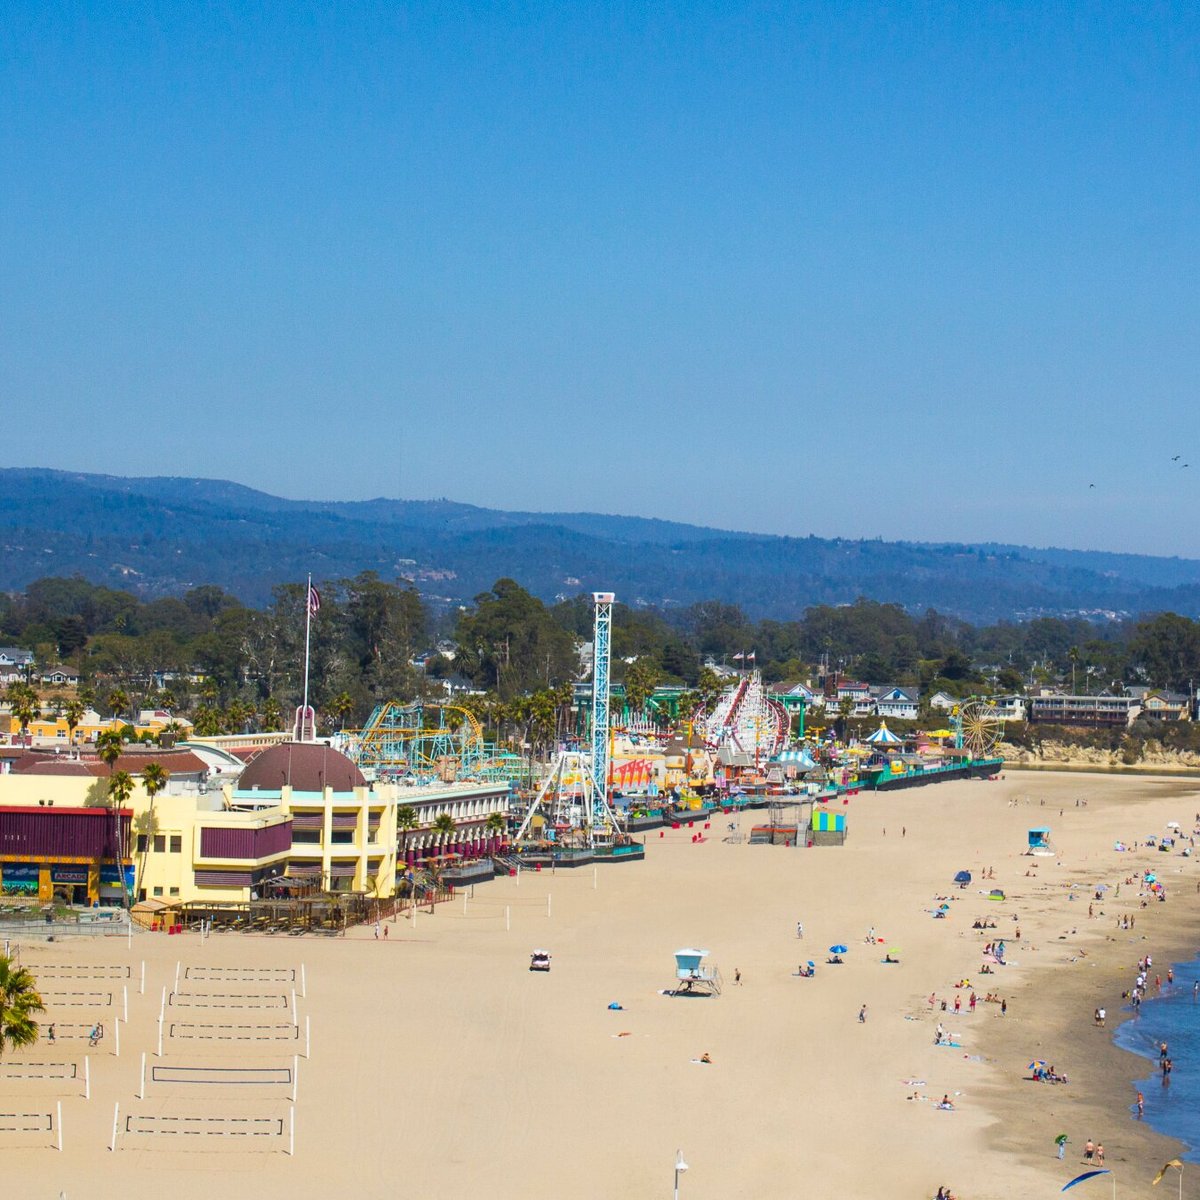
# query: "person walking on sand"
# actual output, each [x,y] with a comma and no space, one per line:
[737,976]
[862,1015]
[1101,1016]
[1089,1150]
[1100,1154]
[1141,1106]
[1004,1008]
[50,1034]
[800,929]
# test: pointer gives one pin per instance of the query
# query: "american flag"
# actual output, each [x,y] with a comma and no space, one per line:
[738,656]
[314,600]
[750,656]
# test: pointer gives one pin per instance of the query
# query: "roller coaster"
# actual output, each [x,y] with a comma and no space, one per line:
[425,742]
[746,719]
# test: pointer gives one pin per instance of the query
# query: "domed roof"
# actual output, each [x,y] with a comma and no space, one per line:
[304,766]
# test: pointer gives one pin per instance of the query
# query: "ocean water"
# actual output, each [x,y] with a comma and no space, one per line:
[1174,1018]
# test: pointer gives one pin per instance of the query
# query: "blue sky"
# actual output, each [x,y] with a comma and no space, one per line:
[921,271]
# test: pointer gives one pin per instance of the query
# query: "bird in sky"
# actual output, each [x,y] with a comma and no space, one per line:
[1091,485]
[1176,457]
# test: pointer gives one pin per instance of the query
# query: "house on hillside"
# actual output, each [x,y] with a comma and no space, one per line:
[15,664]
[897,703]
[60,677]
[942,701]
[1163,705]
[1086,712]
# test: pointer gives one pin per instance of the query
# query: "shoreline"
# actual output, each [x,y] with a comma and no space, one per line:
[1050,1017]
[1082,767]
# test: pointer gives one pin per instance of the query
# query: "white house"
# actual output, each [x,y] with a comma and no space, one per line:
[14,663]
[943,701]
[897,702]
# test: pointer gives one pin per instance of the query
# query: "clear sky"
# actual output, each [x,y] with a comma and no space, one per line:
[910,270]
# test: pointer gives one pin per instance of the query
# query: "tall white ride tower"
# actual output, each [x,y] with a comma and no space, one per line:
[575,793]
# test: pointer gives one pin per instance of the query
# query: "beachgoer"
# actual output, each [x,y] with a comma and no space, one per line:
[862,1015]
[974,998]
[1089,1151]
[706,1057]
[1162,1051]
[939,1034]
[1101,1016]
[50,1034]
[1061,1142]
[1100,1153]
[94,1034]
[737,976]
[377,931]
[1004,1008]
[385,933]
[799,929]
[1141,1105]
[904,831]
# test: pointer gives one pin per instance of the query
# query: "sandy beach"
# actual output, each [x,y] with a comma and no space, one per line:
[439,1061]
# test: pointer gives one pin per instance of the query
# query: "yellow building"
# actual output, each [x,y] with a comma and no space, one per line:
[300,811]
[48,729]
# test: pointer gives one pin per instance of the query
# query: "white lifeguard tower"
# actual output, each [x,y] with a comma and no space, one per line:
[692,977]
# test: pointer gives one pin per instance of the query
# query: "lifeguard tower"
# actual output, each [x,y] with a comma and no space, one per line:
[1039,842]
[692,978]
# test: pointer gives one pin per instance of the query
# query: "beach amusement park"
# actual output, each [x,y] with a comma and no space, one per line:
[326,1025]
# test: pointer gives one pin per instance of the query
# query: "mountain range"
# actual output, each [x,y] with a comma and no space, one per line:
[161,536]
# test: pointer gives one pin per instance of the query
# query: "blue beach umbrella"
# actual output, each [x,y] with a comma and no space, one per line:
[838,949]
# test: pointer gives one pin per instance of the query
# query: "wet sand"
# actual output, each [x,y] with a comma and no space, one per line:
[440,1062]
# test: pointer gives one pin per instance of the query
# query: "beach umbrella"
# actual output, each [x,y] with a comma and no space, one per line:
[1173,825]
[1037,1062]
[1061,1140]
[963,877]
[838,949]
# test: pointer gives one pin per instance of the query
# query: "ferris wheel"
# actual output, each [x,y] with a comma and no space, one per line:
[980,727]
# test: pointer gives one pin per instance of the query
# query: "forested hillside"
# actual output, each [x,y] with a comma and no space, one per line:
[162,537]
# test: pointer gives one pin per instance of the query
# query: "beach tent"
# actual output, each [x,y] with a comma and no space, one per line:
[996,894]
[1039,839]
[824,821]
[963,878]
[883,736]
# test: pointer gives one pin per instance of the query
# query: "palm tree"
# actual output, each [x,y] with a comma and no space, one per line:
[341,707]
[108,747]
[154,779]
[74,714]
[19,1002]
[496,824]
[272,718]
[406,822]
[118,701]
[25,707]
[120,788]
[444,827]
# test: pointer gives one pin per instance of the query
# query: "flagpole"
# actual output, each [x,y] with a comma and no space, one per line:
[307,633]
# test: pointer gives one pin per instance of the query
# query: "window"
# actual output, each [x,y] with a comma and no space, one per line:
[311,837]
[141,893]
[176,843]
[160,843]
[341,837]
[158,891]
[143,841]
[174,891]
